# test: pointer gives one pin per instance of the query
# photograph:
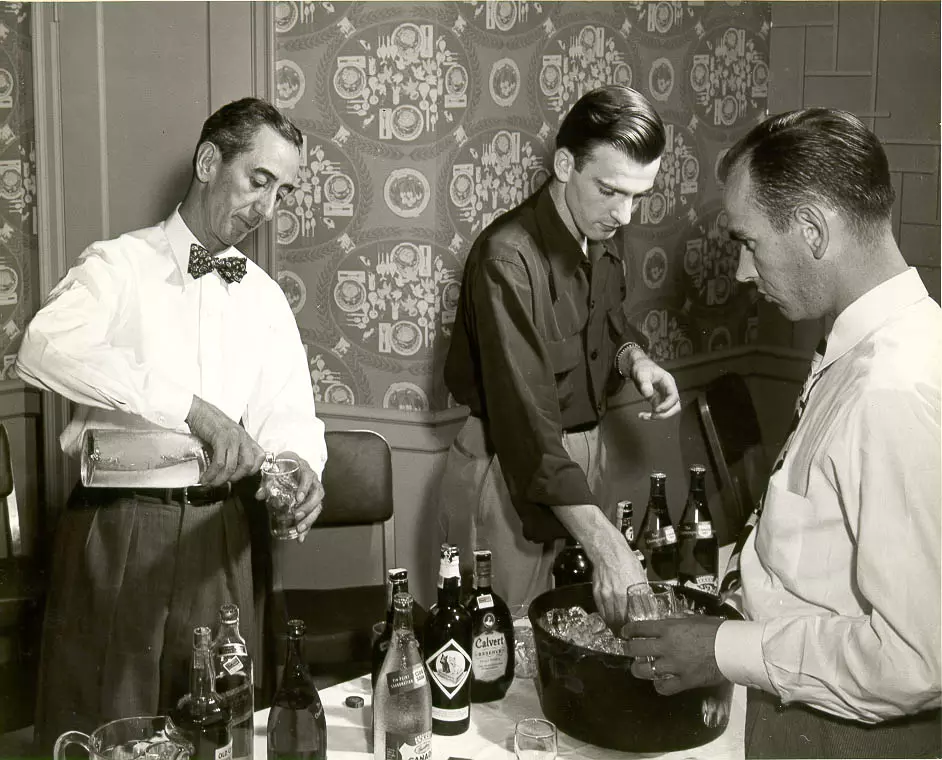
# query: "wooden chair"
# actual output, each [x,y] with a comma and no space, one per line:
[21,595]
[731,428]
[358,488]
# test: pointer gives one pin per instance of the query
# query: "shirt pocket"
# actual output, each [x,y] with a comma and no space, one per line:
[786,530]
[565,355]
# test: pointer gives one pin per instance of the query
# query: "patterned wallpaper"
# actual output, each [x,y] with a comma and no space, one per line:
[18,232]
[425,121]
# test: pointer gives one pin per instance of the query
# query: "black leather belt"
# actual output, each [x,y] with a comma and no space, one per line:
[585,427]
[195,496]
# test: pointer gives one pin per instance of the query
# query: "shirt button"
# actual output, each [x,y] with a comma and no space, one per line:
[592,304]
[594,355]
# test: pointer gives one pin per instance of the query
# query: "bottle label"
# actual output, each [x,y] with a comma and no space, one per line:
[236,648]
[485,601]
[629,534]
[489,655]
[449,668]
[697,530]
[407,747]
[223,753]
[239,700]
[451,714]
[703,583]
[232,664]
[402,681]
[658,538]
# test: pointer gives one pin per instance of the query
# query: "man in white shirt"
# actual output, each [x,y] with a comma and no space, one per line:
[840,578]
[171,327]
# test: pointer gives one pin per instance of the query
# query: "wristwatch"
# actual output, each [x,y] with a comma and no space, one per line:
[626,348]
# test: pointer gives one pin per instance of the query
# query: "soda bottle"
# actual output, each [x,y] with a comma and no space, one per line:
[699,550]
[572,565]
[397,581]
[626,515]
[448,650]
[659,541]
[297,726]
[232,666]
[402,696]
[492,635]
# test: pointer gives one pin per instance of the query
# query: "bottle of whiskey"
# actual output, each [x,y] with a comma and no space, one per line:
[201,717]
[234,680]
[397,581]
[448,650]
[572,565]
[699,550]
[626,514]
[402,696]
[492,636]
[297,726]
[658,539]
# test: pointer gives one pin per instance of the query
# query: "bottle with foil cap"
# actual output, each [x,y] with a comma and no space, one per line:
[397,581]
[234,680]
[626,526]
[402,696]
[698,547]
[492,635]
[658,538]
[447,640]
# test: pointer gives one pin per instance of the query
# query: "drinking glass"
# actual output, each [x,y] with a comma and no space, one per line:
[650,601]
[282,477]
[535,739]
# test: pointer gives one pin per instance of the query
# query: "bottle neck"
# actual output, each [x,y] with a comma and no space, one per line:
[402,622]
[229,632]
[482,576]
[295,669]
[449,591]
[202,677]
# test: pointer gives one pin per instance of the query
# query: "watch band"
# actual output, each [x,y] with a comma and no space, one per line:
[624,349]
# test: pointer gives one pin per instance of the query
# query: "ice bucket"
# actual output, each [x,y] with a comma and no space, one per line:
[592,695]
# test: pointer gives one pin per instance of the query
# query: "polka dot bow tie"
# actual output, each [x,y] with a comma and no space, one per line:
[230,268]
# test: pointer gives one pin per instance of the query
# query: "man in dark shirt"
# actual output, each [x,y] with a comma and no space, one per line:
[540,342]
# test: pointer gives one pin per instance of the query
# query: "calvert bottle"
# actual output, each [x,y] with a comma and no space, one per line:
[447,639]
[572,565]
[201,717]
[492,635]
[699,550]
[402,696]
[659,541]
[397,581]
[297,726]
[232,666]
[626,516]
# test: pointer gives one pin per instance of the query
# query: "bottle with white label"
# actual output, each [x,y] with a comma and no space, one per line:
[658,539]
[397,580]
[626,526]
[447,639]
[699,550]
[492,635]
[234,680]
[402,696]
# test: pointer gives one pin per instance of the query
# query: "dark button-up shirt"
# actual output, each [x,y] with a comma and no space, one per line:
[532,351]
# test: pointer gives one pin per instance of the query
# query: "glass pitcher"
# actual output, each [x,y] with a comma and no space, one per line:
[142,458]
[140,738]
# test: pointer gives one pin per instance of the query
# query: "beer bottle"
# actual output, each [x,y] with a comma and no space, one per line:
[232,666]
[659,542]
[626,514]
[699,550]
[402,696]
[492,636]
[397,581]
[448,645]
[572,565]
[297,726]
[201,717]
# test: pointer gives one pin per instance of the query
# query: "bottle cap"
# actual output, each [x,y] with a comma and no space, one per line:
[402,602]
[229,613]
[296,628]
[353,701]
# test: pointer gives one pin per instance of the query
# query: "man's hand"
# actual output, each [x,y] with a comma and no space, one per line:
[656,385]
[235,454]
[682,649]
[615,567]
[310,496]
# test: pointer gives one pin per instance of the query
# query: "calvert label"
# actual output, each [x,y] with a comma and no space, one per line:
[489,654]
[402,681]
[451,715]
[449,668]
[405,747]
[662,537]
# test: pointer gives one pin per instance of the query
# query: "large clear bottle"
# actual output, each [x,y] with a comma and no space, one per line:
[699,550]
[626,514]
[571,565]
[658,539]
[397,581]
[447,641]
[201,716]
[235,681]
[141,458]
[492,635]
[402,696]
[297,726]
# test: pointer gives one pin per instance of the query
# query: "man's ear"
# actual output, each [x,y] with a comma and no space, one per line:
[564,164]
[814,227]
[208,158]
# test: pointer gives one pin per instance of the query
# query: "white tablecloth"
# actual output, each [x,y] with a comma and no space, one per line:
[490,736]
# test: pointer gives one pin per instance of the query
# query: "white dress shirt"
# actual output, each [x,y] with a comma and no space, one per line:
[841,578]
[131,337]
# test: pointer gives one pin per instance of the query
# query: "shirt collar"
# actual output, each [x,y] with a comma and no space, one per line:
[560,247]
[181,238]
[872,310]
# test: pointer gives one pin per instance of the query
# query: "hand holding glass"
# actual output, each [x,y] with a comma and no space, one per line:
[535,739]
[282,478]
[650,601]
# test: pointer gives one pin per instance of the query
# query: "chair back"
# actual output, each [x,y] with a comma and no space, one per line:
[357,479]
[11,513]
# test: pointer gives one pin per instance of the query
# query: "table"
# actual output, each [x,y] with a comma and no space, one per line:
[490,736]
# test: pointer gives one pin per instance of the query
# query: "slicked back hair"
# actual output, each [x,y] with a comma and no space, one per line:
[612,115]
[815,154]
[233,127]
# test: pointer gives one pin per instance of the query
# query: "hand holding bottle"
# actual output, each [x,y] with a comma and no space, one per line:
[234,453]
